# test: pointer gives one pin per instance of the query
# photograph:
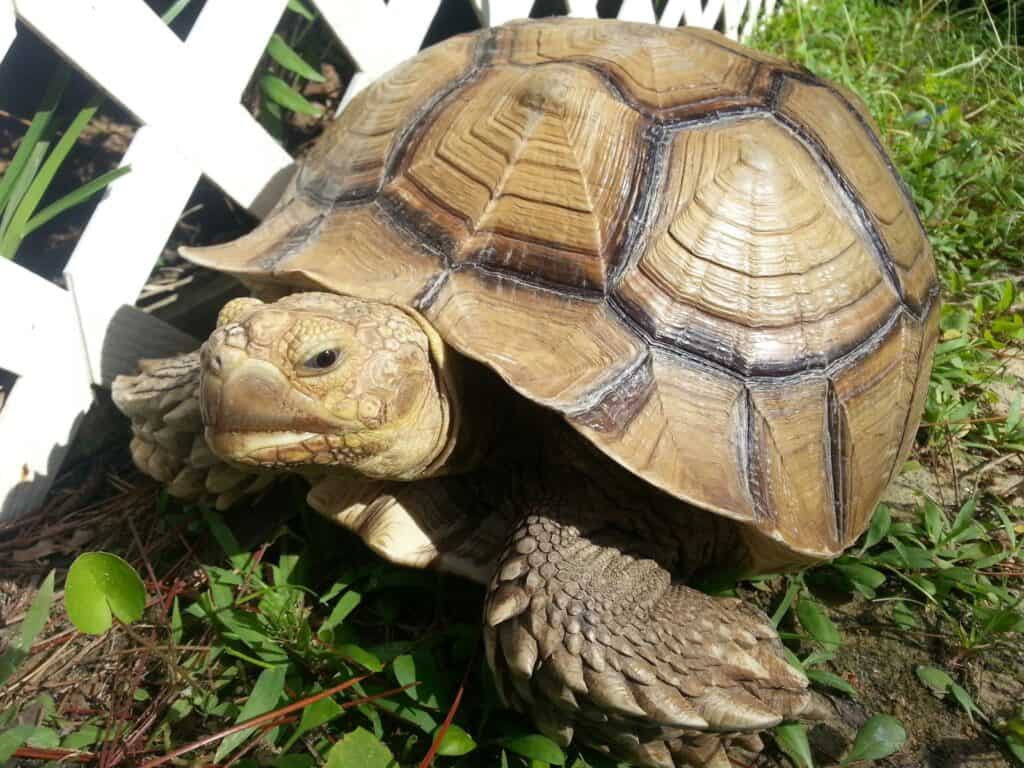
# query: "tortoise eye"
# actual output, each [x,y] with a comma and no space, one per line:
[322,361]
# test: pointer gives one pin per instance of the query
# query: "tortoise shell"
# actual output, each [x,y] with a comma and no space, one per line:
[699,254]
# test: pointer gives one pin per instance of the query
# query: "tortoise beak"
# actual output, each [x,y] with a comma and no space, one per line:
[252,413]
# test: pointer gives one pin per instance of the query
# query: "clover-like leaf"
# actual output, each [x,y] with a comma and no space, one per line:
[360,748]
[99,586]
[456,742]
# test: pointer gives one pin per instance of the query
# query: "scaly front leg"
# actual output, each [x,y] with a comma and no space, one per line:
[592,637]
[162,401]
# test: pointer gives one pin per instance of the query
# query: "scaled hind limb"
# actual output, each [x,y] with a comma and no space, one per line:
[589,634]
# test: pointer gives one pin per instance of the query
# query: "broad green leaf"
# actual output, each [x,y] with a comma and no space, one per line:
[12,739]
[934,678]
[360,656]
[85,736]
[879,737]
[903,616]
[100,584]
[861,574]
[881,520]
[345,605]
[792,739]
[456,742]
[421,667]
[411,714]
[278,90]
[33,623]
[313,716]
[284,55]
[360,748]
[817,623]
[535,747]
[263,698]
[831,680]
[44,738]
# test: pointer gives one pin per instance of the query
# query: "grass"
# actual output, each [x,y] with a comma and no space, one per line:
[296,647]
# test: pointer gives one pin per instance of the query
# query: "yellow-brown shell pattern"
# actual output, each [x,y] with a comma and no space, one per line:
[699,254]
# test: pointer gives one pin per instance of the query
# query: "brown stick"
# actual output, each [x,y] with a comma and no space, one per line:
[259,720]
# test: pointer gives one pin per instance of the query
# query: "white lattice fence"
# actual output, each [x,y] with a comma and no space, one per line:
[60,343]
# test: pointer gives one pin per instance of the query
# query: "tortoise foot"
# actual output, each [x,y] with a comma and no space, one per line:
[593,639]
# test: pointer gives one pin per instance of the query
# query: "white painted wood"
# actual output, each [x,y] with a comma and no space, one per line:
[379,36]
[112,261]
[7,28]
[149,72]
[494,12]
[584,9]
[637,10]
[163,176]
[40,415]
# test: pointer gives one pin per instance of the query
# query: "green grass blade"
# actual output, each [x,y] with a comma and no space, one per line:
[71,199]
[297,7]
[40,122]
[286,56]
[44,178]
[18,191]
[278,90]
[172,13]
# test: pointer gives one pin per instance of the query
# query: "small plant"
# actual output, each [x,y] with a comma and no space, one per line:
[278,84]
[35,164]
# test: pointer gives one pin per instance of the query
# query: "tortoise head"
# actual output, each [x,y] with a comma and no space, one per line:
[322,379]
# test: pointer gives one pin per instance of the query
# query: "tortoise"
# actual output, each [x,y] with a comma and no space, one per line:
[579,309]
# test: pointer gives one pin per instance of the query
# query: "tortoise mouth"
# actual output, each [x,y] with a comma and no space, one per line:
[253,414]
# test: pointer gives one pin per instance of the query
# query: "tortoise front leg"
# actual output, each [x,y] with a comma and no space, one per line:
[455,524]
[590,635]
[162,402]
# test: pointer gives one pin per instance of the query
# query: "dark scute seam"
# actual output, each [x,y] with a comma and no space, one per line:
[754,458]
[428,294]
[630,242]
[837,459]
[921,371]
[612,405]
[824,157]
[408,138]
[293,241]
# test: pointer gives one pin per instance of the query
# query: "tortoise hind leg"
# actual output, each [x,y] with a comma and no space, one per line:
[591,636]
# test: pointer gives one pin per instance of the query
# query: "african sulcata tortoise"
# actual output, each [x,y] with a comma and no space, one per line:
[577,309]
